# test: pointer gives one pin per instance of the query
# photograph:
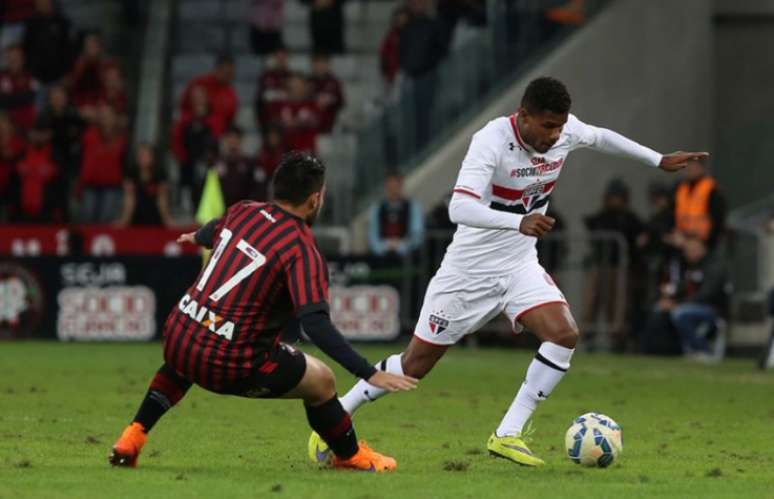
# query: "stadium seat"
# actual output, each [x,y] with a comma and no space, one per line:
[296,12]
[300,62]
[245,118]
[251,143]
[237,10]
[245,91]
[187,66]
[297,36]
[200,37]
[239,39]
[248,68]
[200,10]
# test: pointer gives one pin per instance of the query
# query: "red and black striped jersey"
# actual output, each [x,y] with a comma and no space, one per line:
[265,268]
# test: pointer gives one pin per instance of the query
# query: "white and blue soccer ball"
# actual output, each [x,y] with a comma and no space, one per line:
[594,440]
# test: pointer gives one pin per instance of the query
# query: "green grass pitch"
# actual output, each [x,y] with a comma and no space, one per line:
[689,431]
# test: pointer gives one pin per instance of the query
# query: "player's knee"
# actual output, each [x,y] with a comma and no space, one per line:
[566,336]
[326,382]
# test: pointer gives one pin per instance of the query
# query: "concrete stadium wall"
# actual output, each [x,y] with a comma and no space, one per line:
[744,79]
[643,69]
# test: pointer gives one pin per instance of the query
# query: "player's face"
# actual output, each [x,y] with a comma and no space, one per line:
[541,130]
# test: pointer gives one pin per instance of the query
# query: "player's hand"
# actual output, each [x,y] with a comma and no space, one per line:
[188,237]
[675,161]
[536,225]
[393,382]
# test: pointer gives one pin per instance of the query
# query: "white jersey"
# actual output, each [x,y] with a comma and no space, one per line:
[502,179]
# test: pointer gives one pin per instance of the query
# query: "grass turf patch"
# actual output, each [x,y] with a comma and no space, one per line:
[689,430]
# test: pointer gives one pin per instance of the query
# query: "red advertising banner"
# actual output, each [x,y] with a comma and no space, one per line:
[91,240]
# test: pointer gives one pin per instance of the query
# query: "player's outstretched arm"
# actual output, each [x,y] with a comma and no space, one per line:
[318,326]
[678,160]
[205,236]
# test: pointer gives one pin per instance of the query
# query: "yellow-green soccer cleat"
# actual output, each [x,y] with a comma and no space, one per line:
[318,450]
[513,447]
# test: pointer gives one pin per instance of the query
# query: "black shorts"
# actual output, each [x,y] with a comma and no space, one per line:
[281,372]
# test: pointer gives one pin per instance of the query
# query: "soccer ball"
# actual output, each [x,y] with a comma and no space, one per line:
[594,440]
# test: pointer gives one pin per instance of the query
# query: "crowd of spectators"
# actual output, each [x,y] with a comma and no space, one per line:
[63,121]
[675,290]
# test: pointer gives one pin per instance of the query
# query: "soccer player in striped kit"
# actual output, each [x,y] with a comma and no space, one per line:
[224,334]
[491,266]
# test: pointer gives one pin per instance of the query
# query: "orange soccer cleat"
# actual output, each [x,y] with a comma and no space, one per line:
[366,459]
[127,449]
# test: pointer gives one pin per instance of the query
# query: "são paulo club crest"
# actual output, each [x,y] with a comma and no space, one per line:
[438,324]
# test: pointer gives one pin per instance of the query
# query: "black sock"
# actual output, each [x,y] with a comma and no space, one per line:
[166,390]
[334,425]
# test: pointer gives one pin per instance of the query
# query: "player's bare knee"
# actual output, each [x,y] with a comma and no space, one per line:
[566,337]
[326,382]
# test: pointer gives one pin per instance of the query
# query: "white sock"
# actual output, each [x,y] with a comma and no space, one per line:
[364,392]
[544,373]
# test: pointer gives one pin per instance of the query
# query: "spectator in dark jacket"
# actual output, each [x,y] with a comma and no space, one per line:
[146,198]
[195,143]
[18,89]
[48,43]
[327,92]
[235,170]
[326,24]
[422,44]
[604,279]
[697,298]
[66,127]
[267,18]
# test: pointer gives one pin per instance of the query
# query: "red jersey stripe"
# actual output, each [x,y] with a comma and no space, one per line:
[469,193]
[515,126]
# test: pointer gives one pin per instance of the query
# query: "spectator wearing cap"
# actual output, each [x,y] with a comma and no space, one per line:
[267,18]
[48,43]
[300,116]
[221,96]
[327,91]
[18,89]
[146,197]
[104,147]
[272,88]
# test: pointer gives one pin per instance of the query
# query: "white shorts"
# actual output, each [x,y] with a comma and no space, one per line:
[457,304]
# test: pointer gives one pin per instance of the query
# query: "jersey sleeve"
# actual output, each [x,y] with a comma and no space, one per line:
[608,141]
[307,279]
[479,164]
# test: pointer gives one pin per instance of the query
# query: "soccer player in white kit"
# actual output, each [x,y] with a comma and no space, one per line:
[491,266]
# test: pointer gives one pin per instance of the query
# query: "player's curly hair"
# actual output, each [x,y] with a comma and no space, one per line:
[299,175]
[546,94]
